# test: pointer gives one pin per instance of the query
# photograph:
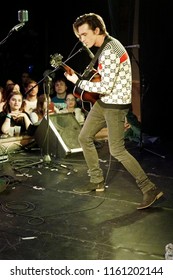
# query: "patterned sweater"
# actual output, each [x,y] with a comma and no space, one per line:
[114,68]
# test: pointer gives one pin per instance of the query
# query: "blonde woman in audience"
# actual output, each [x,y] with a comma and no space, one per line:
[13,114]
[71,107]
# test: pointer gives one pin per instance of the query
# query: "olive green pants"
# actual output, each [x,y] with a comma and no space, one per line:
[113,119]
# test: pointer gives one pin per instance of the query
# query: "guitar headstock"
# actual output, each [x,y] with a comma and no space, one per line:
[56,60]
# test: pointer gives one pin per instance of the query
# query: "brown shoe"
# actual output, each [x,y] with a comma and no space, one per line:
[98,187]
[149,198]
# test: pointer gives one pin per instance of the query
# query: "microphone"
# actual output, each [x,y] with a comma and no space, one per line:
[18,26]
[132,46]
[23,15]
[91,55]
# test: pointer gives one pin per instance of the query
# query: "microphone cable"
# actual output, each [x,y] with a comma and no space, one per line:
[73,50]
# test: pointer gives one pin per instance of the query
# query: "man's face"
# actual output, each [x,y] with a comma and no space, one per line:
[87,36]
[60,87]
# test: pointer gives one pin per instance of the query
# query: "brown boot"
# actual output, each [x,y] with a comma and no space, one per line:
[98,187]
[149,198]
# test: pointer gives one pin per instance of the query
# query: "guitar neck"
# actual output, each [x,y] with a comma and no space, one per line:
[69,70]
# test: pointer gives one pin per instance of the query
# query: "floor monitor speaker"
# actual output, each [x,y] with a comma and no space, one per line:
[58,136]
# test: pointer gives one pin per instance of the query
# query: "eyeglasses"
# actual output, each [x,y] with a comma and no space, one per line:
[70,99]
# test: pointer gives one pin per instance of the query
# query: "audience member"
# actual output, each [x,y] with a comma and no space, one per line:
[71,106]
[2,98]
[60,92]
[25,79]
[13,113]
[41,110]
[30,101]
[132,127]
[9,87]
[8,83]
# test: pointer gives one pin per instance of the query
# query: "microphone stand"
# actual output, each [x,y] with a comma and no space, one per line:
[47,79]
[142,93]
[15,28]
[47,85]
[54,70]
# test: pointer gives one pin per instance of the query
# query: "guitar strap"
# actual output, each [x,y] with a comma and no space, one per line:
[89,68]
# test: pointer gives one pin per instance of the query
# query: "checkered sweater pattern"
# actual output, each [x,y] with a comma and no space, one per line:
[114,68]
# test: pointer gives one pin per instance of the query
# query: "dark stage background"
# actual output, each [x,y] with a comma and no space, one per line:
[49,31]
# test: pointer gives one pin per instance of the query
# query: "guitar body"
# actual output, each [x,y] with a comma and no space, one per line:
[85,96]
[91,97]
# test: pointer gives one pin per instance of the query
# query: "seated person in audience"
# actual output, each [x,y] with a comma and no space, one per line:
[41,110]
[30,101]
[60,92]
[9,87]
[2,98]
[8,84]
[72,107]
[24,80]
[13,114]
[132,127]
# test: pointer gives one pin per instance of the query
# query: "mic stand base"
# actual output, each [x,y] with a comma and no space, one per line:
[47,158]
[29,164]
[150,151]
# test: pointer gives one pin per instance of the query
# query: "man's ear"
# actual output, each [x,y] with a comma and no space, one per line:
[97,31]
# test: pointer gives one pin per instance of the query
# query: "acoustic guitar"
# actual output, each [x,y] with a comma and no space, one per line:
[92,97]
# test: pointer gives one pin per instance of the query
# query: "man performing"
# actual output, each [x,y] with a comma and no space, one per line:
[110,109]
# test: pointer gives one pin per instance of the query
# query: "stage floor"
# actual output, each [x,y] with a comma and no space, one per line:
[41,218]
